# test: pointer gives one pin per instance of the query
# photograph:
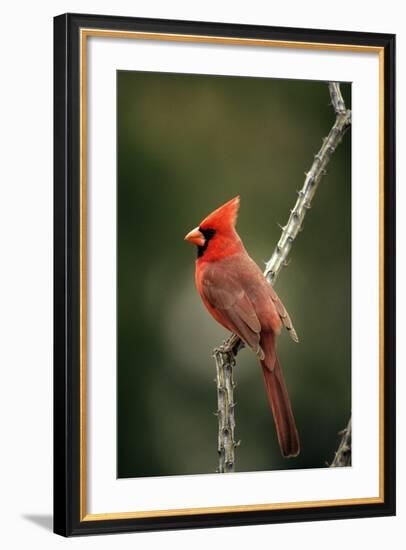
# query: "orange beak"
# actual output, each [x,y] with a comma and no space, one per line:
[196,237]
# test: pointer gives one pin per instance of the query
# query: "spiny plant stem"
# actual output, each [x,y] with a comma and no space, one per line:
[344,453]
[225,355]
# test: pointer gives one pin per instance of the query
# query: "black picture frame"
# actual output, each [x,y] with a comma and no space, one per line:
[67,382]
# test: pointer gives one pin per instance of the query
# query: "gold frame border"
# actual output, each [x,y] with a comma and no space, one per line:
[84,34]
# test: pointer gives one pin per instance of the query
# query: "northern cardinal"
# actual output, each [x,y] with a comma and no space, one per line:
[238,296]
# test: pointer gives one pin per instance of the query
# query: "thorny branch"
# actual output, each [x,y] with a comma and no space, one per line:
[337,100]
[343,454]
[225,355]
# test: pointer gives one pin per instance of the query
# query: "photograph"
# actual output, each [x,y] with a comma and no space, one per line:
[220,163]
[200,249]
[224,273]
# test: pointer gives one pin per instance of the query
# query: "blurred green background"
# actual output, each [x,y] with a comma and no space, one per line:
[187,144]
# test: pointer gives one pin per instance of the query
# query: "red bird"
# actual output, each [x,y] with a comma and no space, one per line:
[239,297]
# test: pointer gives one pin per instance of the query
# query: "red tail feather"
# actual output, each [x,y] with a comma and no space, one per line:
[281,409]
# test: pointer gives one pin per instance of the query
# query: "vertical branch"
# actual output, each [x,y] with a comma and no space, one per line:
[225,355]
[225,413]
[337,100]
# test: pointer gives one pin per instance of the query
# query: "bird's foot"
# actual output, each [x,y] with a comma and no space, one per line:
[228,345]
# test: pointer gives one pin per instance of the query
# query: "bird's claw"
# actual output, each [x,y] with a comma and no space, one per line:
[224,349]
[228,347]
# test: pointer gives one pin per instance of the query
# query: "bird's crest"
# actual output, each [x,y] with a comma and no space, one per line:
[223,217]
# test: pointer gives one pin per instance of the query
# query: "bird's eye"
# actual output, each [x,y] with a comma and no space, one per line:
[208,233]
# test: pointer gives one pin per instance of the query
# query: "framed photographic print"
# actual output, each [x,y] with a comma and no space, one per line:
[224,274]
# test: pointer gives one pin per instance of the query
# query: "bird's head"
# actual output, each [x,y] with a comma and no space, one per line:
[215,236]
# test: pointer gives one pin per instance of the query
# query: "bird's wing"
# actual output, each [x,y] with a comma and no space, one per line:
[224,292]
[283,314]
[269,308]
